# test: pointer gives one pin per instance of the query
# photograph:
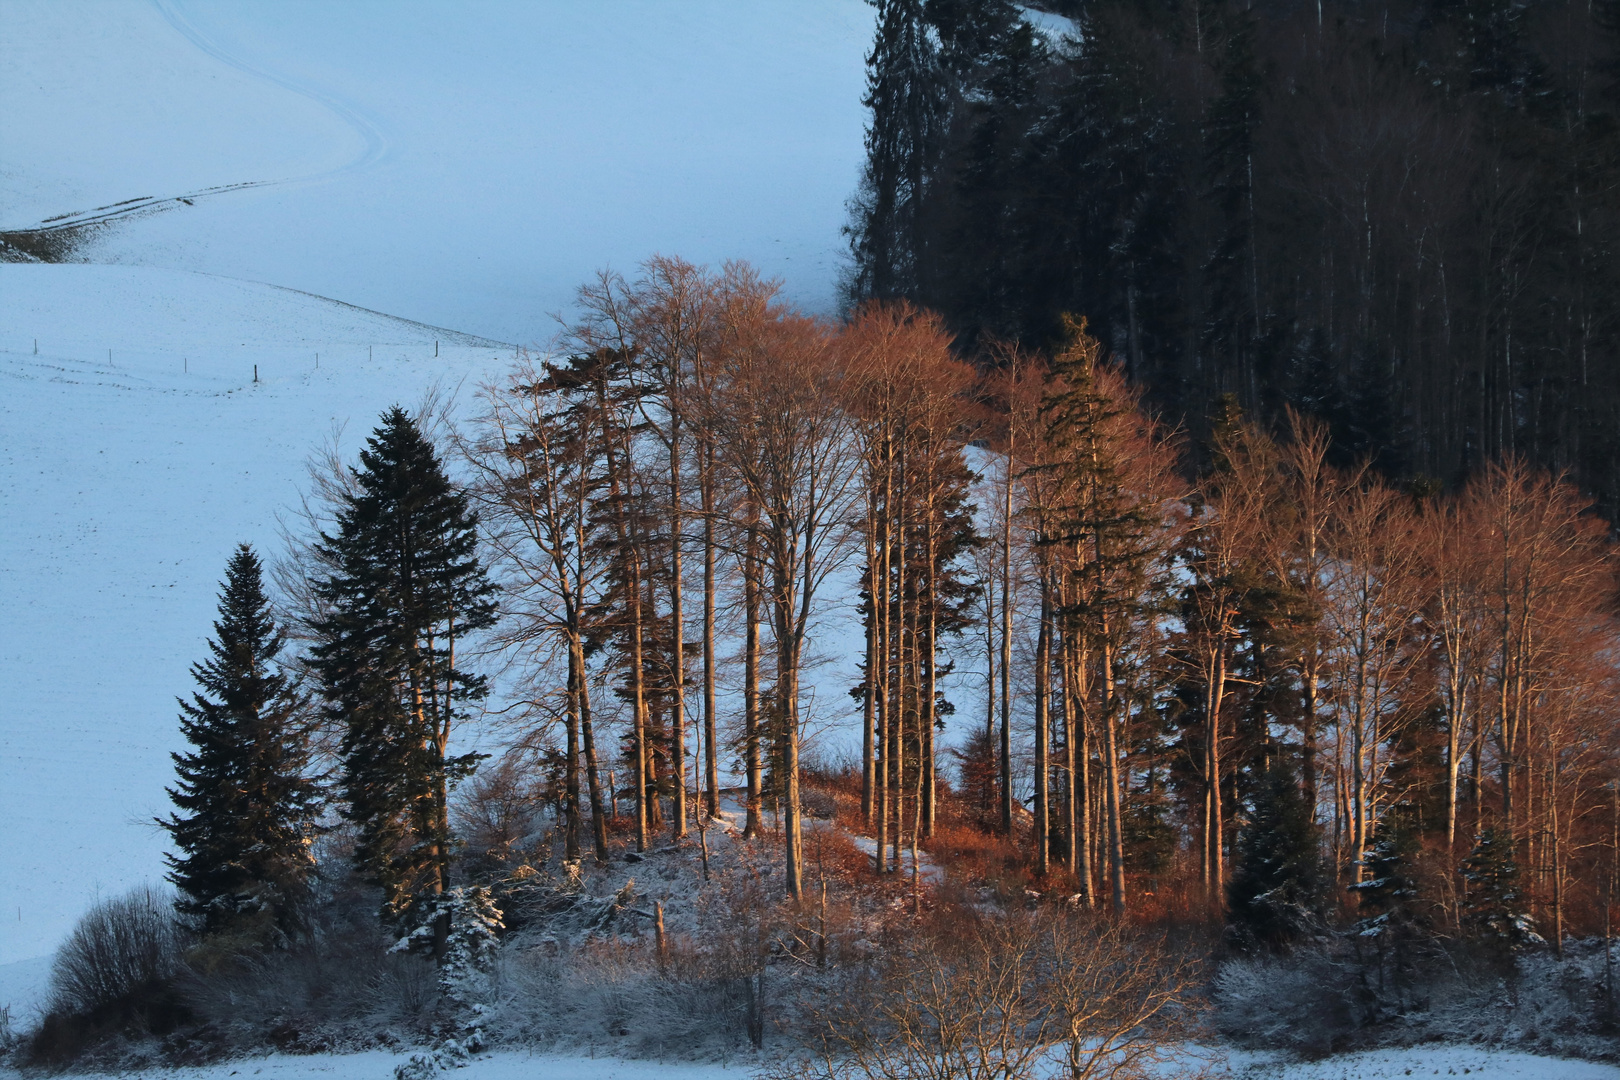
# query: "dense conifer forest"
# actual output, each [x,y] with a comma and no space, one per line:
[1400,218]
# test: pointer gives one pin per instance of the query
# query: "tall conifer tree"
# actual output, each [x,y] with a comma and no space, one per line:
[402,590]
[904,92]
[246,803]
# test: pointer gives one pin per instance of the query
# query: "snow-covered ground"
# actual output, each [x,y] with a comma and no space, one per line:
[463,164]
[380,1064]
[1423,1061]
[517,1065]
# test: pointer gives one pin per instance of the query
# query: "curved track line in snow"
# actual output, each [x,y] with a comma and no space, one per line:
[173,12]
[55,237]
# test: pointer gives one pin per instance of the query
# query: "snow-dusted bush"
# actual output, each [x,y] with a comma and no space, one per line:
[1006,995]
[1330,997]
[1303,1001]
[333,990]
[591,968]
[700,1002]
[335,985]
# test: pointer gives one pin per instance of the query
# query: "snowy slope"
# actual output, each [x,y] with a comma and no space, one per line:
[465,164]
[125,486]
[135,451]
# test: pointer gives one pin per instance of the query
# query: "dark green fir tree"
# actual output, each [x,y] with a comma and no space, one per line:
[1388,894]
[1394,924]
[1493,908]
[1277,882]
[246,803]
[402,588]
[904,96]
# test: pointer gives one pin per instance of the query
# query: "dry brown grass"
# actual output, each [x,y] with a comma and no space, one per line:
[974,858]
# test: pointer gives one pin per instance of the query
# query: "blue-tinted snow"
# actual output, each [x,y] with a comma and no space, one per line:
[465,165]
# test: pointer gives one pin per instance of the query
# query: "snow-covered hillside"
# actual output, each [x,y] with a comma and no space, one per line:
[467,164]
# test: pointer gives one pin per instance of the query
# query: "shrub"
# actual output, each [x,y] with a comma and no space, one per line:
[113,977]
[1001,997]
[119,948]
[1326,997]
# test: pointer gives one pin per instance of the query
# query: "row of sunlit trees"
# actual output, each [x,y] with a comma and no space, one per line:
[1137,632]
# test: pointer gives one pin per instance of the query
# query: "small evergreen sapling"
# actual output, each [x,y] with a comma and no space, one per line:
[466,975]
[247,806]
[1394,921]
[1492,907]
[1389,892]
[1276,889]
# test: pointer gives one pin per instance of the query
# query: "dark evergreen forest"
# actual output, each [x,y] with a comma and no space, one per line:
[1400,217]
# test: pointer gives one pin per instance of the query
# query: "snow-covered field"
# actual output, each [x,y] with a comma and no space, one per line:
[125,485]
[510,1065]
[463,164]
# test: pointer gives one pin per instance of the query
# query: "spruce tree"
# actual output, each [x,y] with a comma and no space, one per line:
[246,804]
[1493,908]
[1276,888]
[905,95]
[402,589]
[1389,892]
[1393,922]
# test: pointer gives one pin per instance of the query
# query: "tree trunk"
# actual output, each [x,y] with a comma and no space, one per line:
[869,705]
[1006,654]
[928,655]
[588,738]
[711,761]
[1215,819]
[571,768]
[1043,664]
[787,674]
[1116,833]
[677,720]
[751,604]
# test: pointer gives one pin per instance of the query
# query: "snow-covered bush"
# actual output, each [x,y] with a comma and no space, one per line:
[1330,997]
[698,1003]
[1006,995]
[342,987]
[335,985]
[1303,1001]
